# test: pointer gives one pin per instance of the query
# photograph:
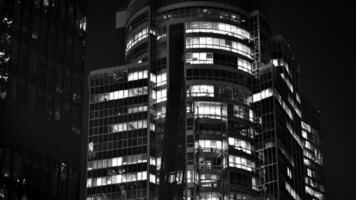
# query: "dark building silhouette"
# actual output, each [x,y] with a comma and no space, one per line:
[203,104]
[41,98]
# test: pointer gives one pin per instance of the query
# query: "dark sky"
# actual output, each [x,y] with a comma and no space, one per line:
[322,37]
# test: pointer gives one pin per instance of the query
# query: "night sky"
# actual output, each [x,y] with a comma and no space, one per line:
[322,37]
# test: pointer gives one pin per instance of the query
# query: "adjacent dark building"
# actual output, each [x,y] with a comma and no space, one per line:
[41,98]
[203,104]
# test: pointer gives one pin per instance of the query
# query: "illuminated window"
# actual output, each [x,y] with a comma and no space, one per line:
[295,136]
[91,147]
[284,105]
[121,94]
[318,157]
[99,181]
[292,192]
[254,183]
[161,36]
[161,95]
[190,176]
[281,62]
[201,90]
[295,107]
[152,127]
[289,173]
[286,80]
[307,154]
[242,112]
[241,163]
[306,127]
[117,179]
[161,79]
[241,145]
[210,196]
[244,65]
[309,172]
[153,78]
[153,178]
[83,24]
[137,91]
[127,126]
[161,111]
[199,58]
[308,145]
[134,125]
[218,43]
[211,145]
[262,95]
[137,75]
[218,28]
[136,38]
[136,109]
[152,161]
[89,182]
[298,98]
[118,161]
[158,161]
[314,193]
[209,180]
[214,110]
[153,32]
[45,3]
[306,162]
[304,134]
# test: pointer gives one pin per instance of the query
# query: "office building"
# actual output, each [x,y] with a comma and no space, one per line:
[41,89]
[178,113]
[203,104]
